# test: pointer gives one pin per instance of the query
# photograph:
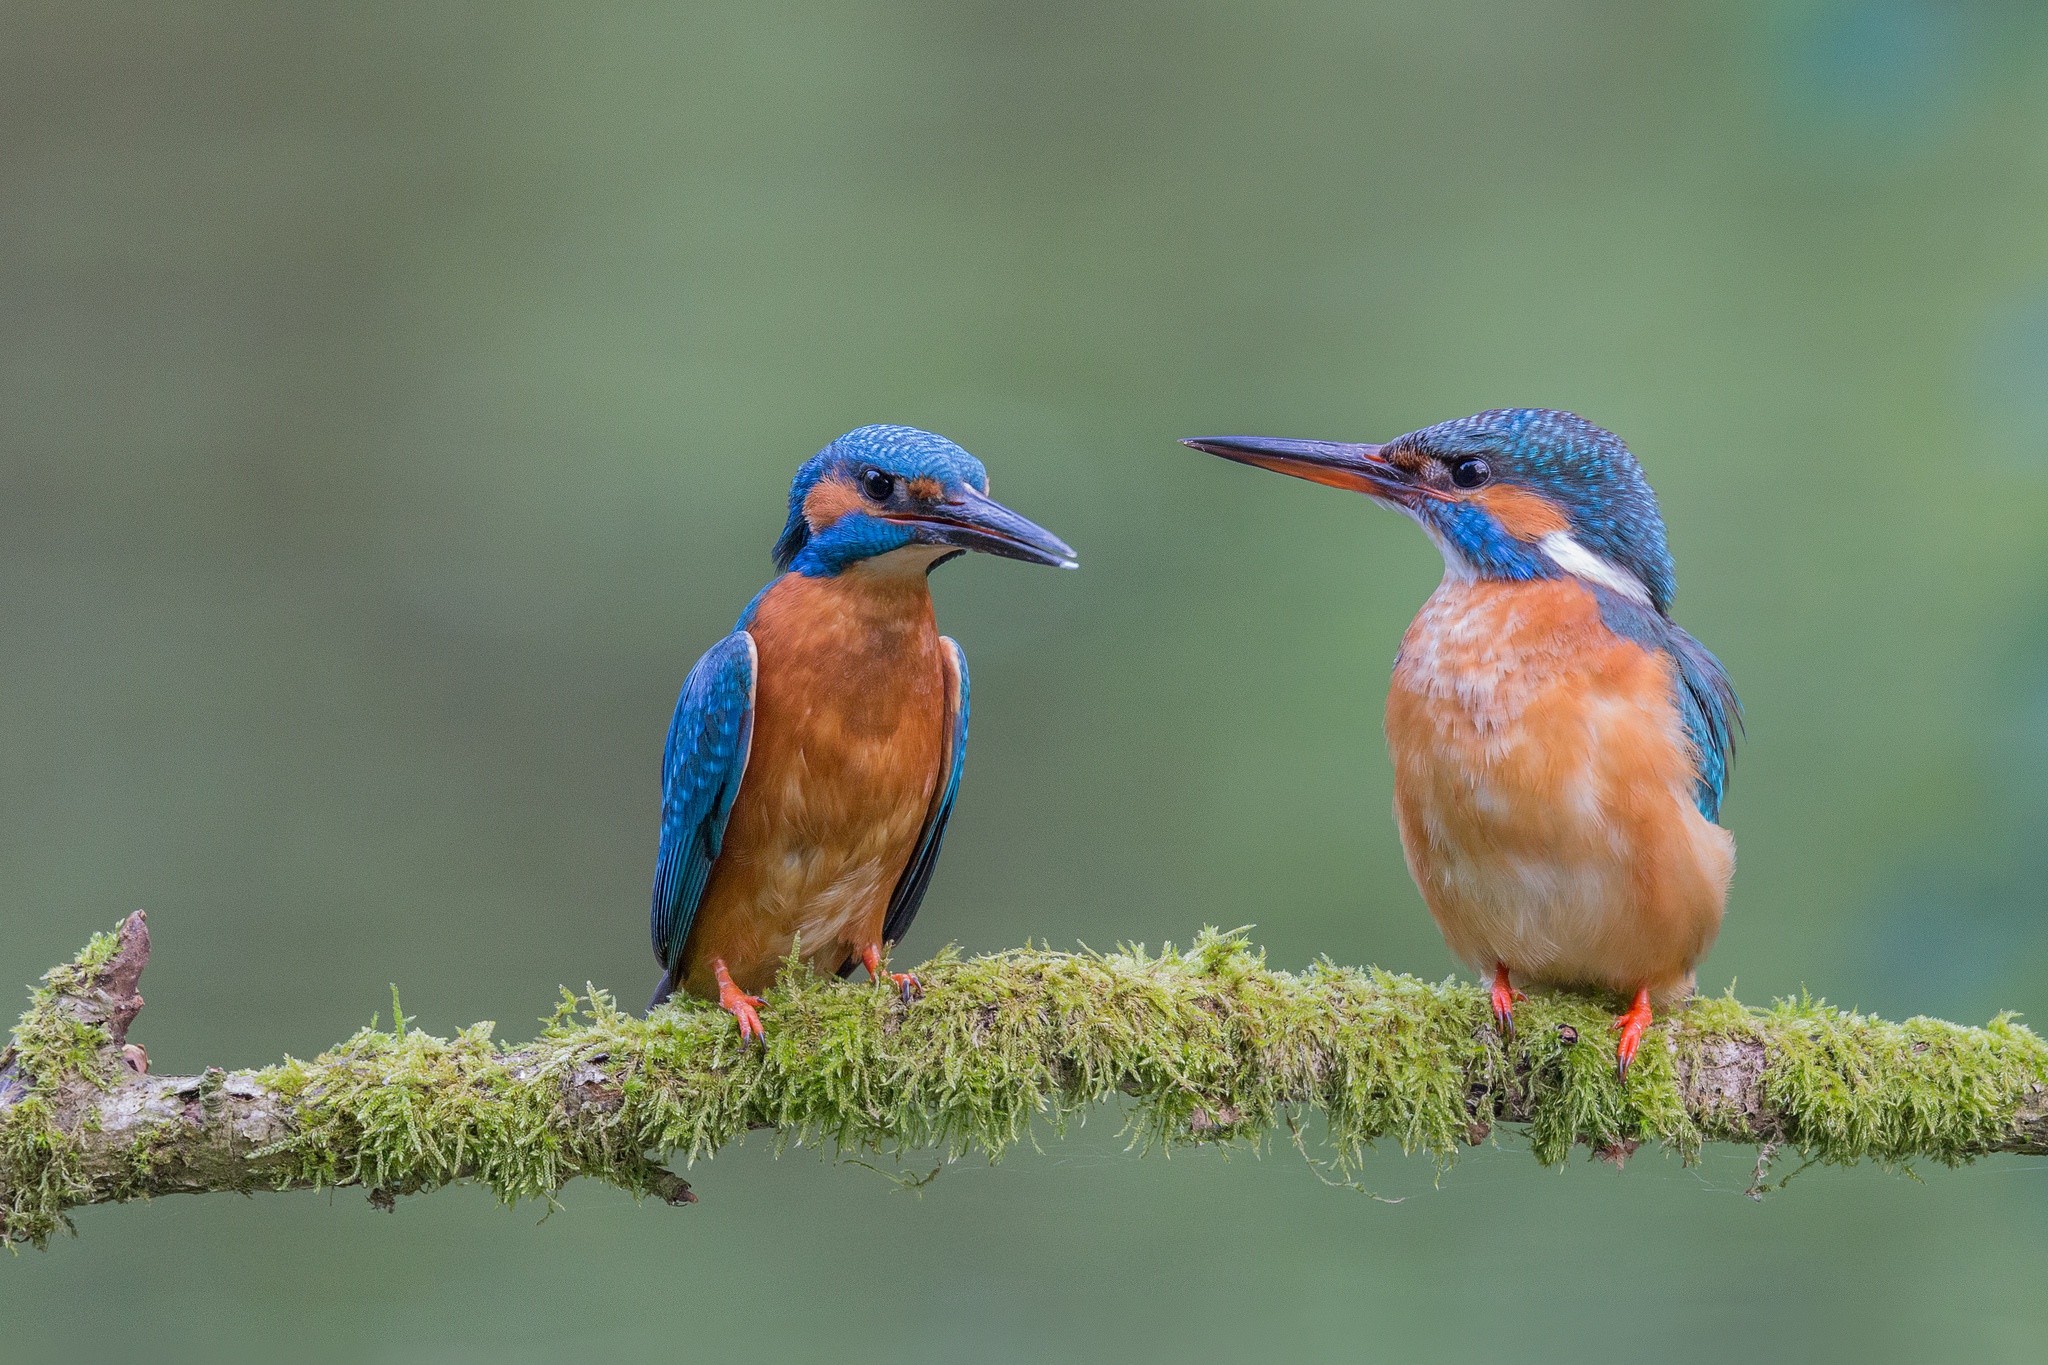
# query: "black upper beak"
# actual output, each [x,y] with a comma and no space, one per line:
[1360,468]
[972,521]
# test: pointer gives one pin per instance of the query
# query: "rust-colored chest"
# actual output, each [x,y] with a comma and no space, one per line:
[849,733]
[1543,788]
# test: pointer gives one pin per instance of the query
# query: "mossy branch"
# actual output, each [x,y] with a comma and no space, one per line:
[1209,1046]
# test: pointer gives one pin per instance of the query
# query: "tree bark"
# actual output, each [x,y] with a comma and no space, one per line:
[1207,1045]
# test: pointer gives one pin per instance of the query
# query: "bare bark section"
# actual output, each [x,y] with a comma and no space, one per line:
[1212,1046]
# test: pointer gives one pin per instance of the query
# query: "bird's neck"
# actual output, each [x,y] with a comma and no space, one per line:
[1476,550]
[854,610]
[1488,646]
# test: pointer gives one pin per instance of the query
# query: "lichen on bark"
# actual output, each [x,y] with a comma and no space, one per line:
[1206,1045]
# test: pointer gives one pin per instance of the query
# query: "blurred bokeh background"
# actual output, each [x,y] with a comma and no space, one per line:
[395,400]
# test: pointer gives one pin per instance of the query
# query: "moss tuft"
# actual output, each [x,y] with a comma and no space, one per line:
[41,1167]
[1204,1045]
[1860,1088]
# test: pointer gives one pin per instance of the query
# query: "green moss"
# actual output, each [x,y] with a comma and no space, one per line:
[50,1044]
[1206,1045]
[145,1160]
[50,1048]
[1862,1088]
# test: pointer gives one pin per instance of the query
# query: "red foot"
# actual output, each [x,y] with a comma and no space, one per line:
[906,982]
[1504,998]
[1633,1022]
[739,1005]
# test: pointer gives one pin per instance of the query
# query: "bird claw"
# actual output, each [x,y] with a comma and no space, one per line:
[907,984]
[1633,1023]
[750,1024]
[1504,998]
[745,1009]
[740,1006]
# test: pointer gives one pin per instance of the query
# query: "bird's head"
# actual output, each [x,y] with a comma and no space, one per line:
[1516,493]
[896,499]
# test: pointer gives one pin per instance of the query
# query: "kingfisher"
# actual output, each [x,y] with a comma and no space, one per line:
[1560,745]
[816,751]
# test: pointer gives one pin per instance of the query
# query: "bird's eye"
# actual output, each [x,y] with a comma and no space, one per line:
[877,485]
[1470,473]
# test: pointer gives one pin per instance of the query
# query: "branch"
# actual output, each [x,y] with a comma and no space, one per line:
[1209,1045]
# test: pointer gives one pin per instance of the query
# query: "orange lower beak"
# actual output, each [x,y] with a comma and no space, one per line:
[1359,468]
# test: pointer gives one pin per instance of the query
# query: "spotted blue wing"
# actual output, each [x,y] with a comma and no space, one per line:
[917,875]
[1706,698]
[701,768]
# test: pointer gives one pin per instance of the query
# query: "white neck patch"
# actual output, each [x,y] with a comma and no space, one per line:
[1456,566]
[905,561]
[1580,562]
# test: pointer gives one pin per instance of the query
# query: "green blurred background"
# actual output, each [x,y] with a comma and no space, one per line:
[396,399]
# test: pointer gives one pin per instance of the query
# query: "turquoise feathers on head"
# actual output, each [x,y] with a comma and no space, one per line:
[1528,494]
[1586,471]
[1560,746]
[903,453]
[815,752]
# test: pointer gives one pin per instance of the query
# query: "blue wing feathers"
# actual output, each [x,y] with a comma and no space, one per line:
[917,874]
[1705,696]
[1712,715]
[701,768]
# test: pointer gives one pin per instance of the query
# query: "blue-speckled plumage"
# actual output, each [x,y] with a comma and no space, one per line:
[1590,474]
[908,453]
[1582,468]
[815,754]
[1706,698]
[701,767]
[1561,747]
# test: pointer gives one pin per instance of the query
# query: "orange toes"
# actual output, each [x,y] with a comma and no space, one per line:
[740,1006]
[907,984]
[746,1009]
[1633,1023]
[1504,997]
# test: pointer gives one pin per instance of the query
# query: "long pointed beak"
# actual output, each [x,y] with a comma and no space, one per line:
[1360,468]
[972,521]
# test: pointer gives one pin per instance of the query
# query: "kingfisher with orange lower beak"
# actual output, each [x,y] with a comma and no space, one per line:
[816,751]
[1560,746]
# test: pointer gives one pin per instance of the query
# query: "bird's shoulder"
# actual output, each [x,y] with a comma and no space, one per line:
[1698,688]
[714,711]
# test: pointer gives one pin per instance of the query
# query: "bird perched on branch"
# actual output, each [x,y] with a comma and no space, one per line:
[816,751]
[1560,746]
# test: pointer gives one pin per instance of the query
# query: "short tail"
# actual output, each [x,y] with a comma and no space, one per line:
[663,989]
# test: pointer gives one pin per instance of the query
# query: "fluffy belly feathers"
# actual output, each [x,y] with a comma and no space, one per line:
[1543,788]
[847,745]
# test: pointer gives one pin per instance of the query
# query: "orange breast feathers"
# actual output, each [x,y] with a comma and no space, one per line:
[1543,784]
[848,737]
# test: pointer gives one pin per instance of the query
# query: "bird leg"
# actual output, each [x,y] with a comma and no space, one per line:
[1633,1023]
[739,1005]
[1504,997]
[906,982]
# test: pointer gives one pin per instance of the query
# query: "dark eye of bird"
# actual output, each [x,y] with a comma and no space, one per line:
[877,485]
[1470,473]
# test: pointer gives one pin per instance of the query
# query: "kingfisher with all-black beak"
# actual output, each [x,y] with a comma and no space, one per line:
[1560,746]
[816,751]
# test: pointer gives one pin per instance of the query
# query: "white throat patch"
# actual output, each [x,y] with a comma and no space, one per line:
[1580,562]
[905,561]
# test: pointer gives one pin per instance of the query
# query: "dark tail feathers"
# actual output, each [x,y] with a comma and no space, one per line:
[662,991]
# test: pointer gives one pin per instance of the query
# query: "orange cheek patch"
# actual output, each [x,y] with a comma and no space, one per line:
[1522,514]
[828,501]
